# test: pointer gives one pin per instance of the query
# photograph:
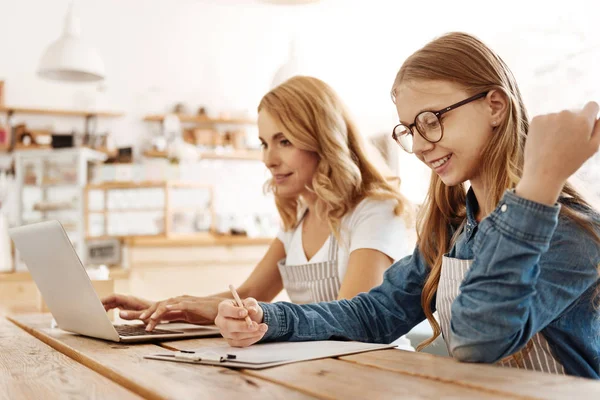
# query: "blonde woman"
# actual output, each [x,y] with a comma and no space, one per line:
[343,222]
[509,264]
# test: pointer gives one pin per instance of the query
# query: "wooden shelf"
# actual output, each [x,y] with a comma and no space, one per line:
[146,184]
[193,240]
[255,155]
[25,276]
[109,153]
[124,210]
[202,120]
[60,113]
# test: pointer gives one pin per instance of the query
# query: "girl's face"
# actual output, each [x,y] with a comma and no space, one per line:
[291,167]
[456,158]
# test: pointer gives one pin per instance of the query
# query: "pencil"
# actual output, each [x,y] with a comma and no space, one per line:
[236,296]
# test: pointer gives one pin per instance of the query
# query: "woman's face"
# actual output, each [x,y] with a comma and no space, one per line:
[291,167]
[457,157]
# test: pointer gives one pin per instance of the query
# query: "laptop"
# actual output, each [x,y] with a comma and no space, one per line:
[69,294]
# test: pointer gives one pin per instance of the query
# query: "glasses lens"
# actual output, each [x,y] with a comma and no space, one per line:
[403,137]
[429,126]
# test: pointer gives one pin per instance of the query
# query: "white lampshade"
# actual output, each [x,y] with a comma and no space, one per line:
[69,58]
[289,2]
[290,68]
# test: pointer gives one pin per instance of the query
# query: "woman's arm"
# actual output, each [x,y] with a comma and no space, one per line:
[377,237]
[264,283]
[365,271]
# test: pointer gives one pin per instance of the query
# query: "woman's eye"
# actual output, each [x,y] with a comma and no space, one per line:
[285,142]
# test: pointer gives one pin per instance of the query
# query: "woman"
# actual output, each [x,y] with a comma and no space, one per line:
[511,264]
[343,222]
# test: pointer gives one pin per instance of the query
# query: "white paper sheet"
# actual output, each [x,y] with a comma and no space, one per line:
[268,354]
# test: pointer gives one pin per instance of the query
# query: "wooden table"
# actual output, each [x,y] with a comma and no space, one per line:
[39,362]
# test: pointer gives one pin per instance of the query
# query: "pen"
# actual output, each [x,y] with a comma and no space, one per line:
[236,296]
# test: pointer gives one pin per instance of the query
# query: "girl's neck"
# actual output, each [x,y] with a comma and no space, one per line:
[481,196]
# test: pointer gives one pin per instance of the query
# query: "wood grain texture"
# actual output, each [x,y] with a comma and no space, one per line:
[487,380]
[333,378]
[494,379]
[30,369]
[125,365]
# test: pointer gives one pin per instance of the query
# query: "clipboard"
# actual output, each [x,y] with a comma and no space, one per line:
[268,354]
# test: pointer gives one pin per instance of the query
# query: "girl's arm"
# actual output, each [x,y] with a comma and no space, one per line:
[527,271]
[381,315]
[530,266]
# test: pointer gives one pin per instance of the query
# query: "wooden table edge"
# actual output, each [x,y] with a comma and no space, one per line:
[464,384]
[87,361]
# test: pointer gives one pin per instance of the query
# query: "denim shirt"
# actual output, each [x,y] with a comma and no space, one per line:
[532,271]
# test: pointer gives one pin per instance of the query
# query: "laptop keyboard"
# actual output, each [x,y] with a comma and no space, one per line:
[140,330]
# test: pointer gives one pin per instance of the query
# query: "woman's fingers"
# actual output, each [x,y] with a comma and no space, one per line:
[130,315]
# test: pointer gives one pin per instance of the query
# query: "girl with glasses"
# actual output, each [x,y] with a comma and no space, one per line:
[343,221]
[507,251]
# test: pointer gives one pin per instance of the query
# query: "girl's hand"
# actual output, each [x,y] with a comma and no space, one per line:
[557,146]
[234,328]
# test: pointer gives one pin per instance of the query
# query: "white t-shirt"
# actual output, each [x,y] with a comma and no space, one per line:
[372,224]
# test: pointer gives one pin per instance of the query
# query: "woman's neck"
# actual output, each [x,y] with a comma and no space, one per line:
[310,200]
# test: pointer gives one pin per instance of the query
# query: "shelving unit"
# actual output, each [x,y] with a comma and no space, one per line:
[50,185]
[153,208]
[216,124]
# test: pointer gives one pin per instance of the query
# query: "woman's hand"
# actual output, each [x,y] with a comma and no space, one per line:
[195,310]
[130,307]
[557,146]
[231,319]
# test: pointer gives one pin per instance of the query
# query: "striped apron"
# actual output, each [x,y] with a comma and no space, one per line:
[313,282]
[318,282]
[536,354]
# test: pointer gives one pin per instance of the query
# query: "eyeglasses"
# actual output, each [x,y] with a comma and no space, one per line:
[428,125]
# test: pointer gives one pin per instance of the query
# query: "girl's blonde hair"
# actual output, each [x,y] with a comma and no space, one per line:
[315,119]
[464,60]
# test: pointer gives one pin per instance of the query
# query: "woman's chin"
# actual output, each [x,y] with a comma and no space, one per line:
[286,192]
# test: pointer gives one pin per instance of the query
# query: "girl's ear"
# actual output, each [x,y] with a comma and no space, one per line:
[498,105]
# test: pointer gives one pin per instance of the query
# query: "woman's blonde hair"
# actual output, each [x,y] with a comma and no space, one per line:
[464,60]
[315,119]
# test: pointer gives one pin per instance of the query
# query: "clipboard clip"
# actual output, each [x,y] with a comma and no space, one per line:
[204,356]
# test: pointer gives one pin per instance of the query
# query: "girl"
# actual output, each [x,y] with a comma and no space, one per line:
[342,223]
[509,264]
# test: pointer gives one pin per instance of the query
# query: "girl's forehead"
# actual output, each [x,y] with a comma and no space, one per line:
[414,97]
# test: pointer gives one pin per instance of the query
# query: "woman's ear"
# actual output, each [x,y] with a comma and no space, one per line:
[498,105]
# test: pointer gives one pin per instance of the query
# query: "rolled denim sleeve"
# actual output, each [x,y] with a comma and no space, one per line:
[530,265]
[379,316]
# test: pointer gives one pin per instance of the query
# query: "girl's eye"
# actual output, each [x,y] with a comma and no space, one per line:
[285,143]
